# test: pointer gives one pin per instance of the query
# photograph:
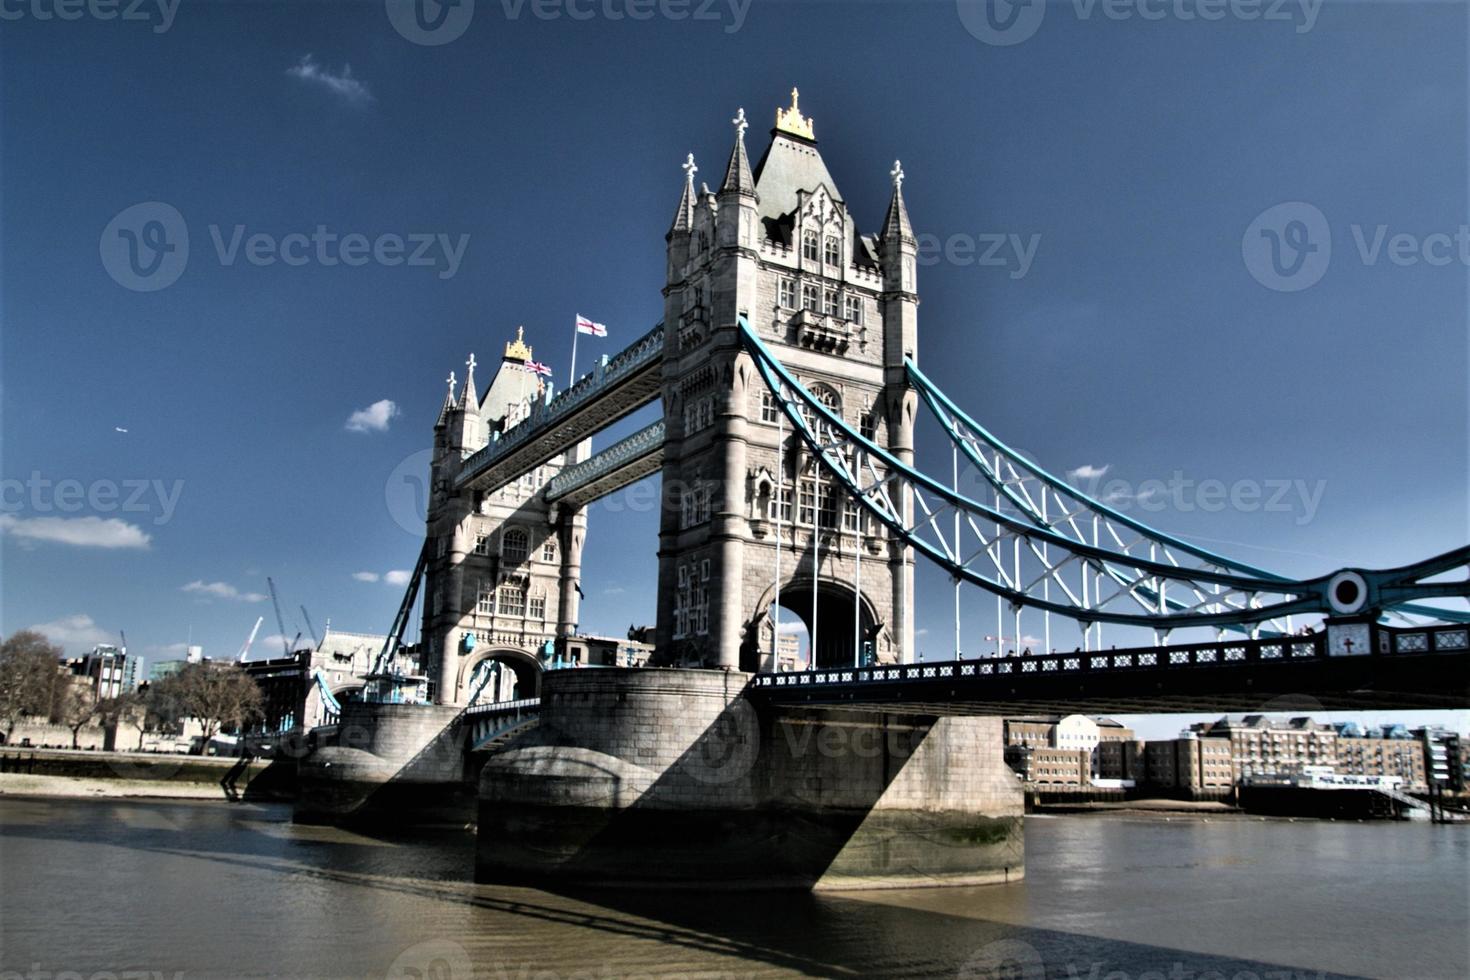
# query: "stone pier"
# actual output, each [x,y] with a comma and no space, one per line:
[668,778]
[394,763]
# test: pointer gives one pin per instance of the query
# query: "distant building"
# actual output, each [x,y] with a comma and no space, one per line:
[1390,751]
[106,670]
[1198,766]
[164,668]
[1444,758]
[1069,750]
[1263,746]
[307,688]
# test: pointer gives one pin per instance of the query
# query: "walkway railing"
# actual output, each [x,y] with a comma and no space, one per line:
[1446,639]
[607,373]
[578,475]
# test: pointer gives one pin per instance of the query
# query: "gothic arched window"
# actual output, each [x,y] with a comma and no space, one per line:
[514,545]
[809,245]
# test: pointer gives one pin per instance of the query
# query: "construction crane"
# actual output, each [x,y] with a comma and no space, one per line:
[245,650]
[280,620]
[316,640]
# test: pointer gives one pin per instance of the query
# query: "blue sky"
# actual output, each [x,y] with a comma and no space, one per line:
[1130,157]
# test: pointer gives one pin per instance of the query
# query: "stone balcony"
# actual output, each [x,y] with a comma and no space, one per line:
[821,332]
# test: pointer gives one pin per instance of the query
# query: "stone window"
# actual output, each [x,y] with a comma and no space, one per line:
[482,544]
[854,518]
[548,550]
[809,245]
[868,424]
[811,296]
[514,545]
[854,310]
[788,293]
[770,410]
[511,600]
[694,507]
[781,504]
[537,607]
[486,604]
[832,251]
[829,302]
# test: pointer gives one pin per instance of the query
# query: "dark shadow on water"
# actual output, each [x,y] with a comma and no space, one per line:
[819,934]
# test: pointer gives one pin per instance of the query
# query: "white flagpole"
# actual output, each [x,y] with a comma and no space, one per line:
[575,331]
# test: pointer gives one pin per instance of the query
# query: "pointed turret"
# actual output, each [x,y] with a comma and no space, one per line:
[896,227]
[684,216]
[737,172]
[448,404]
[469,400]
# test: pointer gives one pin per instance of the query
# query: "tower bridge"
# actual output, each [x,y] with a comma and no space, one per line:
[787,368]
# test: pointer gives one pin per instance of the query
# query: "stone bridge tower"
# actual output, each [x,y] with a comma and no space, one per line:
[778,245]
[503,568]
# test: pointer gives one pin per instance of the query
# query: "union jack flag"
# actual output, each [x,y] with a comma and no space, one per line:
[536,367]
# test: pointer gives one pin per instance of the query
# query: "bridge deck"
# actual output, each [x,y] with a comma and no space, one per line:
[616,388]
[617,466]
[1427,669]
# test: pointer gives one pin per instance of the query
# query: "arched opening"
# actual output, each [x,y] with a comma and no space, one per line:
[835,615]
[499,675]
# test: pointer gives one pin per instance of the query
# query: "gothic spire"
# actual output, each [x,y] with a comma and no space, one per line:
[896,225]
[448,403]
[737,173]
[684,216]
[469,400]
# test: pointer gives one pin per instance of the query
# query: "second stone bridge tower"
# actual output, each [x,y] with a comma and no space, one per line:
[750,524]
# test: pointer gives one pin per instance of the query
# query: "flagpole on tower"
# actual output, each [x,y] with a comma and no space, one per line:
[575,332]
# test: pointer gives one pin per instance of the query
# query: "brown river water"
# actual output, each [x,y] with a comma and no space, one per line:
[113,889]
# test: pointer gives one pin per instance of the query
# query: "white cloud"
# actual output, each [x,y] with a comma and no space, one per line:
[1089,472]
[366,576]
[615,590]
[790,626]
[72,632]
[398,576]
[168,648]
[221,590]
[374,418]
[83,532]
[921,632]
[340,84]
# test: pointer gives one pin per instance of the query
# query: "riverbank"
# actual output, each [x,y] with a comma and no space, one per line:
[69,774]
[1148,807]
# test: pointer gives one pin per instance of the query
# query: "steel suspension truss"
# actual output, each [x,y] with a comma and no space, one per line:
[1042,544]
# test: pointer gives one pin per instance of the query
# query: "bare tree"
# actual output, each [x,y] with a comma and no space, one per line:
[218,694]
[151,706]
[28,676]
[75,705]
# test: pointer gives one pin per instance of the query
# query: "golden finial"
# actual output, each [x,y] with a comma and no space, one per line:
[518,351]
[792,121]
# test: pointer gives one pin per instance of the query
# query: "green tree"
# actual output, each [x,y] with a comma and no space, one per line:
[28,677]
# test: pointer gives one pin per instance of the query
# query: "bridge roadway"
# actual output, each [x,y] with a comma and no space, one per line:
[1426,668]
[617,387]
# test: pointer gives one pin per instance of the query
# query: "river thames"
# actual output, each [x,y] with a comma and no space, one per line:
[103,888]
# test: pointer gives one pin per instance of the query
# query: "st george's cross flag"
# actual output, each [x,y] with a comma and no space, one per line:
[536,367]
[585,325]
